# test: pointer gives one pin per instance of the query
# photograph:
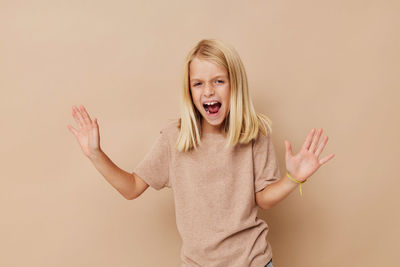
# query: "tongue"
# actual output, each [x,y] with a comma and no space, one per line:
[214,108]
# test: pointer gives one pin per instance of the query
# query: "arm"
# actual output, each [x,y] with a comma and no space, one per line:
[275,192]
[128,184]
[299,167]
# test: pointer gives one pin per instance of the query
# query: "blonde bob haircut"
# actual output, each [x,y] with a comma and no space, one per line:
[242,123]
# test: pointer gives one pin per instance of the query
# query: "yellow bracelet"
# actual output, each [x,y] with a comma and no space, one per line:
[294,180]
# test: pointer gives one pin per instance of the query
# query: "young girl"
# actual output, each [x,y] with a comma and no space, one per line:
[219,160]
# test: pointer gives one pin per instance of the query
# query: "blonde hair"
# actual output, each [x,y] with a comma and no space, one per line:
[242,123]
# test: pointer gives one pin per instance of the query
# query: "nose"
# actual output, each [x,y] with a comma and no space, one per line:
[208,90]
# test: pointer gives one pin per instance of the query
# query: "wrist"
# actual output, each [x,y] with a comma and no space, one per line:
[96,154]
[295,180]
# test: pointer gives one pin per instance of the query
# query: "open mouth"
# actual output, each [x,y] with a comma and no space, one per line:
[212,109]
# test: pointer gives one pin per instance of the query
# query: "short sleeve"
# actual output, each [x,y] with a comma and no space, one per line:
[154,168]
[266,168]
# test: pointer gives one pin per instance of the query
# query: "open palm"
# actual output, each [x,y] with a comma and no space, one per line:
[306,162]
[88,134]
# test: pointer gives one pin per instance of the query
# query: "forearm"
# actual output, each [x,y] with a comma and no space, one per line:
[121,180]
[275,192]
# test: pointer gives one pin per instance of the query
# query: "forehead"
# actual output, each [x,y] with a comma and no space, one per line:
[205,69]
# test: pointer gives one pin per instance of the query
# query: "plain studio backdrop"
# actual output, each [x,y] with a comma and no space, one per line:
[310,64]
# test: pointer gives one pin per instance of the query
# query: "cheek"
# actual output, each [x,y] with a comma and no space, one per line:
[193,95]
[228,96]
[196,100]
[227,106]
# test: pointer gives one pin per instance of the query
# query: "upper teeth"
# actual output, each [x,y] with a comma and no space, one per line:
[210,103]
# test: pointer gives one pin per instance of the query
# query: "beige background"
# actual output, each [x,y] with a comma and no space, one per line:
[329,64]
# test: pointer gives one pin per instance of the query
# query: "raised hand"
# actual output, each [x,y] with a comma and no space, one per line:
[88,134]
[306,162]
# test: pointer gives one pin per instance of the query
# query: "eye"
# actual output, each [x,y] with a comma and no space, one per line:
[196,84]
[221,81]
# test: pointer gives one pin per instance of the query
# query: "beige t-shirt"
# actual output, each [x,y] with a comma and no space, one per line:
[214,193]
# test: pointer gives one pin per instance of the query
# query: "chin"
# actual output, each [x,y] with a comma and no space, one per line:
[212,122]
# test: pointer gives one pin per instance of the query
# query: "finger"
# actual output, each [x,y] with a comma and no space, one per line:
[75,114]
[322,161]
[307,143]
[321,146]
[85,115]
[81,120]
[315,140]
[95,124]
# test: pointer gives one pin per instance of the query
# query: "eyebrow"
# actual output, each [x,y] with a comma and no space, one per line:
[218,76]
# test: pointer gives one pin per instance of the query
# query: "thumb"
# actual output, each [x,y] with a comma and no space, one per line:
[288,149]
[72,129]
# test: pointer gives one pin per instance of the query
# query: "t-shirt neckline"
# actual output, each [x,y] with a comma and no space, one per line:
[213,135]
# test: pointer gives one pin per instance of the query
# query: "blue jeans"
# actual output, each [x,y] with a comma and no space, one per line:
[269,264]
